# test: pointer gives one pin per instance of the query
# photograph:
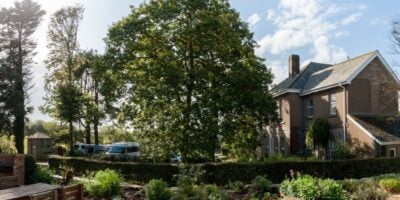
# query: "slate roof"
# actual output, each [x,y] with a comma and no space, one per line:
[316,76]
[383,128]
[39,135]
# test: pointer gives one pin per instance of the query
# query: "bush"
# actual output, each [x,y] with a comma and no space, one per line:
[308,187]
[237,186]
[390,184]
[103,183]
[214,192]
[157,189]
[222,173]
[364,190]
[342,151]
[43,175]
[259,186]
[30,169]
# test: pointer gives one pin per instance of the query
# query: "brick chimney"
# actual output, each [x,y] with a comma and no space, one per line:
[294,65]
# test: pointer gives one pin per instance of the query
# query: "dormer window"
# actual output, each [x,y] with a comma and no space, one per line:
[332,104]
[310,108]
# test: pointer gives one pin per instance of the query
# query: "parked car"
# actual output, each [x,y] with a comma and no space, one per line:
[175,158]
[90,148]
[129,149]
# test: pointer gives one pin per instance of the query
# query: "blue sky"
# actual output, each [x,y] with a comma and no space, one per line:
[318,30]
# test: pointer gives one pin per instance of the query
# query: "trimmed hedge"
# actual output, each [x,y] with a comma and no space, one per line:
[222,173]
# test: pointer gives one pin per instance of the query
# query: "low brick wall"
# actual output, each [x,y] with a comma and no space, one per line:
[14,173]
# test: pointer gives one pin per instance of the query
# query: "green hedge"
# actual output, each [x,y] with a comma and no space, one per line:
[222,173]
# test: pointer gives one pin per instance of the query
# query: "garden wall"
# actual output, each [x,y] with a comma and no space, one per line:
[222,173]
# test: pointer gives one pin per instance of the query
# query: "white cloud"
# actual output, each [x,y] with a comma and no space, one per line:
[351,19]
[253,19]
[280,72]
[307,24]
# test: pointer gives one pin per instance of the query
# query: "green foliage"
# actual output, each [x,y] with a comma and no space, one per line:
[222,173]
[188,178]
[30,169]
[209,89]
[260,186]
[43,175]
[363,189]
[318,133]
[17,49]
[7,145]
[236,186]
[390,184]
[214,193]
[157,189]
[342,151]
[105,183]
[307,187]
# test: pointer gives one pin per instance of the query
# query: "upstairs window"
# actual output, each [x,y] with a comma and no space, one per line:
[279,109]
[332,103]
[310,108]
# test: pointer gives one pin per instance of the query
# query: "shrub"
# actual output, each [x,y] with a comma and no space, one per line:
[342,151]
[236,186]
[30,169]
[308,187]
[188,177]
[222,173]
[43,175]
[103,183]
[7,144]
[214,193]
[157,189]
[390,184]
[365,190]
[259,186]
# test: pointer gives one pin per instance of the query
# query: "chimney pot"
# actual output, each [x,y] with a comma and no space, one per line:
[294,65]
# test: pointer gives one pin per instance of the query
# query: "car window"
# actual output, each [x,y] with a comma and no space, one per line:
[132,149]
[117,149]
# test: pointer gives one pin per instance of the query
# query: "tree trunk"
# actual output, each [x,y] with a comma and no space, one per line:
[87,131]
[19,112]
[71,136]
[96,117]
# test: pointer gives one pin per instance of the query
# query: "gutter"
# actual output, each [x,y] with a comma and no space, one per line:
[345,110]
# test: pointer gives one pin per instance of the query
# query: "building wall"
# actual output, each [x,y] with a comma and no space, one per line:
[373,91]
[39,148]
[322,107]
[362,144]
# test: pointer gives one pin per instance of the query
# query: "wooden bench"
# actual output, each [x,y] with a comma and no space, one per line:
[24,192]
[50,195]
[72,192]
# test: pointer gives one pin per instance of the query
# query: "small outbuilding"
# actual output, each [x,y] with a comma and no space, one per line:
[39,146]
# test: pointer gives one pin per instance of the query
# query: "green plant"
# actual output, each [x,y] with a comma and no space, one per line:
[30,169]
[43,175]
[259,186]
[365,190]
[188,177]
[342,151]
[103,183]
[236,186]
[390,184]
[318,133]
[7,144]
[214,192]
[308,187]
[157,189]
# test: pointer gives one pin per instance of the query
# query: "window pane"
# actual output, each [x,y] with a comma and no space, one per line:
[332,99]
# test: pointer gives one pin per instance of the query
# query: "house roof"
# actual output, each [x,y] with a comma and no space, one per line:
[384,129]
[39,135]
[315,77]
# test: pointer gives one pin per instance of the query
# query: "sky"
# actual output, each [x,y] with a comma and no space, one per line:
[317,30]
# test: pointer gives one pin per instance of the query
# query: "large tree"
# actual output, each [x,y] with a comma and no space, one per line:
[185,74]
[64,98]
[17,45]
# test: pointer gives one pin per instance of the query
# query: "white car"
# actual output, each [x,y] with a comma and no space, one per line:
[129,149]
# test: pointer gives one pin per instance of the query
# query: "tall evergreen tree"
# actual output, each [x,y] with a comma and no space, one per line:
[64,98]
[17,26]
[185,74]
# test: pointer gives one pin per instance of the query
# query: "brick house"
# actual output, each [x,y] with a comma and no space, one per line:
[351,95]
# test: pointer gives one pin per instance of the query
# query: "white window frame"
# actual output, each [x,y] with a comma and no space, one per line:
[332,104]
[310,107]
[279,109]
[395,152]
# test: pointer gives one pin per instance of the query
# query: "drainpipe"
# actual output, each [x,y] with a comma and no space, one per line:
[302,135]
[345,109]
